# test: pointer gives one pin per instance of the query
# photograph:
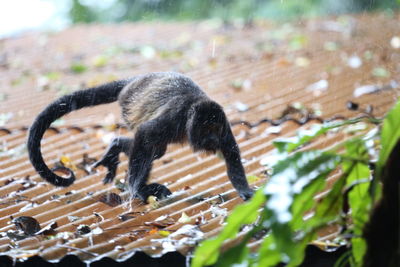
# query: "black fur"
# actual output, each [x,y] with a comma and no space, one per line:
[103,94]
[160,108]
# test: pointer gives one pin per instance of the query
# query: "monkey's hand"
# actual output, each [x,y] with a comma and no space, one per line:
[158,190]
[111,164]
[246,194]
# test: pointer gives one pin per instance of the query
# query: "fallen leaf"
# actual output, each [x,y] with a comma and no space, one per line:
[78,68]
[86,163]
[380,72]
[241,107]
[66,162]
[97,231]
[164,233]
[252,179]
[3,97]
[153,202]
[99,61]
[331,46]
[83,229]
[48,230]
[111,199]
[354,62]
[161,222]
[395,42]
[73,218]
[26,224]
[153,231]
[184,218]
[302,62]
[298,42]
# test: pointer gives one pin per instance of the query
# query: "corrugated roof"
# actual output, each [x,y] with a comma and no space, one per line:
[254,72]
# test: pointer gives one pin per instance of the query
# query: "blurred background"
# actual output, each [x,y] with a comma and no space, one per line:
[17,16]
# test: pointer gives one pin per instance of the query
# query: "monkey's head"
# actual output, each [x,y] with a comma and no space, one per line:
[206,126]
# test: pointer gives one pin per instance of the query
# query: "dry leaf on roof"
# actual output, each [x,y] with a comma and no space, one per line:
[83,229]
[184,218]
[86,163]
[28,225]
[66,161]
[111,199]
[161,222]
[49,230]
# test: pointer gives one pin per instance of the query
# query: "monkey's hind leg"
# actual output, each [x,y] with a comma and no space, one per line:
[141,158]
[111,157]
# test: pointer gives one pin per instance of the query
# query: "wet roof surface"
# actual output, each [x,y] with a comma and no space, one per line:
[254,72]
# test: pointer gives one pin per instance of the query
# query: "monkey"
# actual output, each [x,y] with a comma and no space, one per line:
[159,108]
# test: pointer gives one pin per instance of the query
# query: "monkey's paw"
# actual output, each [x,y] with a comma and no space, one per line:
[111,165]
[158,190]
[246,194]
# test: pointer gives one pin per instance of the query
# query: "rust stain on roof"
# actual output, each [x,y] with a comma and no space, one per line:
[255,73]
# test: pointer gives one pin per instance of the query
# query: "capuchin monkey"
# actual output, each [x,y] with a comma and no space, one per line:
[160,108]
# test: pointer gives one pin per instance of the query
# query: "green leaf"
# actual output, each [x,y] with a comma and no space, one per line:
[268,255]
[78,68]
[251,179]
[293,183]
[293,174]
[305,136]
[235,255]
[359,197]
[53,75]
[389,136]
[240,254]
[331,46]
[380,72]
[359,247]
[304,201]
[207,252]
[270,252]
[355,177]
[100,61]
[3,96]
[329,208]
[298,42]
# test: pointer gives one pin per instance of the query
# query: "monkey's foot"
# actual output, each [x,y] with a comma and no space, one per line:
[246,194]
[111,164]
[158,190]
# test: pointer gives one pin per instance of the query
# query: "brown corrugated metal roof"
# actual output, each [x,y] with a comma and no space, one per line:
[255,73]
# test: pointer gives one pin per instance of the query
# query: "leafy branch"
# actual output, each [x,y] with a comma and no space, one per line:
[282,204]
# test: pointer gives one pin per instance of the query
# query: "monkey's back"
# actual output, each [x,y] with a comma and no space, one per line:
[148,96]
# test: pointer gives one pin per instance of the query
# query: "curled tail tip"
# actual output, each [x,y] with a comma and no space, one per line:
[61,181]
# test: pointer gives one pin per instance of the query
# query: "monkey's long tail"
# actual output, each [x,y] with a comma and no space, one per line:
[102,94]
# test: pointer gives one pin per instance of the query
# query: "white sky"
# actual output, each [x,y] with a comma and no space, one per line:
[21,15]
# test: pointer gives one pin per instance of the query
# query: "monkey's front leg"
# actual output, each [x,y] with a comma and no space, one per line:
[111,157]
[235,169]
[147,146]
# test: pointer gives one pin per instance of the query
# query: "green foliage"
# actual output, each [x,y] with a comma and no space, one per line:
[358,196]
[303,137]
[133,10]
[78,68]
[389,136]
[288,197]
[80,13]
